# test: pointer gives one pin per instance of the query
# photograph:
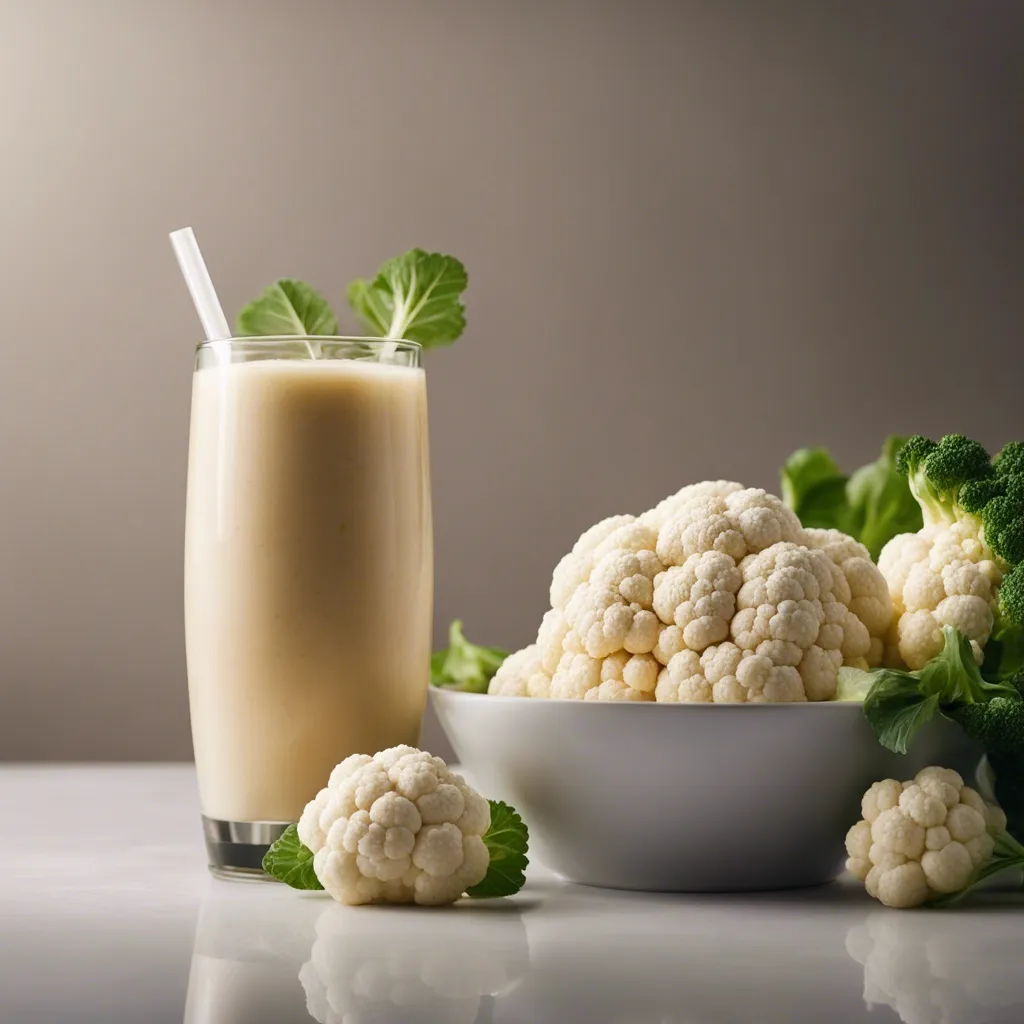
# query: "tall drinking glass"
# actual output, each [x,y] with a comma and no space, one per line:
[308,573]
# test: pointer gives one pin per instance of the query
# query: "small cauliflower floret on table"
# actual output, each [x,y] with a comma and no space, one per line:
[717,594]
[398,827]
[923,838]
[965,567]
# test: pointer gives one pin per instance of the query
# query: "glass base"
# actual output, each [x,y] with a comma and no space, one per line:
[236,848]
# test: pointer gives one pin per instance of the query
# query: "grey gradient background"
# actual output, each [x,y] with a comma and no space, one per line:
[699,235]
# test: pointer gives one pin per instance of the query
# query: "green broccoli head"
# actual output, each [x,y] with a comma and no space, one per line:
[999,501]
[998,724]
[1011,596]
[976,494]
[913,453]
[939,472]
[956,460]
[1010,461]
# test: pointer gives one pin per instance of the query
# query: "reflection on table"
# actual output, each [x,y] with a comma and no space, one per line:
[931,969]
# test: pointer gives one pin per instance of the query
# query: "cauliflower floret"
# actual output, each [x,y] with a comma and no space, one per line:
[398,827]
[922,838]
[620,676]
[618,533]
[699,597]
[944,575]
[522,675]
[551,639]
[736,524]
[689,495]
[863,588]
[612,610]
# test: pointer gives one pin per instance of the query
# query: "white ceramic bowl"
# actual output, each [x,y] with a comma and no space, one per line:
[684,797]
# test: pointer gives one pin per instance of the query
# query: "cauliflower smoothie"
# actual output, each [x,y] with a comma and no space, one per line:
[308,572]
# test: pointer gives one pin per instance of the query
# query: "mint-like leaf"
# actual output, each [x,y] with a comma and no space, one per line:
[291,862]
[287,307]
[508,841]
[463,665]
[416,296]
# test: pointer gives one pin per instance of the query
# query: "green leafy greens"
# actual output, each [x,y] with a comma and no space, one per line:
[898,703]
[290,861]
[463,665]
[287,307]
[416,296]
[507,840]
[873,505]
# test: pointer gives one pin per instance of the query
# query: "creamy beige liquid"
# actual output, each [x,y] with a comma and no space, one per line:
[308,575]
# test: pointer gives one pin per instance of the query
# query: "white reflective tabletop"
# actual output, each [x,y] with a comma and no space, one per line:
[107,913]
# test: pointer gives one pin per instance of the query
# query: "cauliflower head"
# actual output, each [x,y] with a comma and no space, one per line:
[922,838]
[398,827]
[717,594]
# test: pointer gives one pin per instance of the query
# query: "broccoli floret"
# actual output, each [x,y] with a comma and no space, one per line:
[976,494]
[998,724]
[956,460]
[1003,518]
[1010,461]
[937,473]
[1011,596]
[913,453]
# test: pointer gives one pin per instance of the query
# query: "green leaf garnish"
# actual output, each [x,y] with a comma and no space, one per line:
[899,702]
[287,307]
[896,707]
[416,296]
[463,665]
[507,840]
[290,861]
[873,505]
[815,489]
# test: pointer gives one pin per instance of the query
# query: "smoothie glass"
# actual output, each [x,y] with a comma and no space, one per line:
[308,573]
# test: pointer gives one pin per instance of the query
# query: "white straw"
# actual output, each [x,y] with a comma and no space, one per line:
[197,277]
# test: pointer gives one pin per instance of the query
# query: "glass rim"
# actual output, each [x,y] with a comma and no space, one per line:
[402,344]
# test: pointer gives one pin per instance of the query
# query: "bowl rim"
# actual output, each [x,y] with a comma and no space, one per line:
[440,693]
